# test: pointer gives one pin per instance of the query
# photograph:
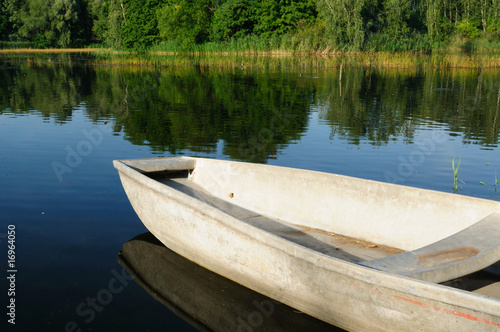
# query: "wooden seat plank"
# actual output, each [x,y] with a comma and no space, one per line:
[465,252]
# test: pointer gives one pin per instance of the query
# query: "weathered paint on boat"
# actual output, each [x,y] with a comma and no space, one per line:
[222,216]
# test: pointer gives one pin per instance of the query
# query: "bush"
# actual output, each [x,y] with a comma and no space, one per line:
[40,41]
[469,29]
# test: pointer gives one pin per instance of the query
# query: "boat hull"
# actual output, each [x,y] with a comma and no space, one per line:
[341,293]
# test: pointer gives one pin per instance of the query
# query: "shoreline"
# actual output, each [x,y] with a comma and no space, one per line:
[442,59]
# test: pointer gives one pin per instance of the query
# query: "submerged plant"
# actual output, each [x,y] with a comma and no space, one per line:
[455,173]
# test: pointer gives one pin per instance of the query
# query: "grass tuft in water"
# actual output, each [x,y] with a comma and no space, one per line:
[496,181]
[455,173]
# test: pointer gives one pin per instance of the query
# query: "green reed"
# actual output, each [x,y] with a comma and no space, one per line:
[276,52]
[274,55]
[455,173]
[495,183]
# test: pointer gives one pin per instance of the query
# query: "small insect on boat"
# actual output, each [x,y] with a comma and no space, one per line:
[361,255]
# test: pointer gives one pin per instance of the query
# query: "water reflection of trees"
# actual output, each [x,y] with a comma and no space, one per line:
[174,110]
[377,105]
[255,115]
[54,91]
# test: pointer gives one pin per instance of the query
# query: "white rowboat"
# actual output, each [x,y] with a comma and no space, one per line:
[358,254]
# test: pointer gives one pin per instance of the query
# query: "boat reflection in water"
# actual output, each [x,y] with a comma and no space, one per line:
[205,299]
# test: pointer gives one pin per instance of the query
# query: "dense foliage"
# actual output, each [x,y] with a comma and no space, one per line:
[334,24]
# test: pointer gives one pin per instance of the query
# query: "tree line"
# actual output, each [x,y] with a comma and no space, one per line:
[335,24]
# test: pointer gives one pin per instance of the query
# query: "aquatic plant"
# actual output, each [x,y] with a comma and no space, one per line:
[496,181]
[455,173]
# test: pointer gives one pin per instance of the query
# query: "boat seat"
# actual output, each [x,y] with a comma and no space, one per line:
[465,252]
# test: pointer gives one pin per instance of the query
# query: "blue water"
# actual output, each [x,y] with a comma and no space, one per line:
[69,229]
[71,216]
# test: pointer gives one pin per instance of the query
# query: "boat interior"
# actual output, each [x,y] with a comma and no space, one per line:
[328,243]
[485,281]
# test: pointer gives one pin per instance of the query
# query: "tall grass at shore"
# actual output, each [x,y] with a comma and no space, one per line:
[255,45]
[309,43]
[271,53]
[380,51]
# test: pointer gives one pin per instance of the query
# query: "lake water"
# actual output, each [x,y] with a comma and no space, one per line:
[64,120]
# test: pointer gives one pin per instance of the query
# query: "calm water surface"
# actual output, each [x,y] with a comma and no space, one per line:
[62,124]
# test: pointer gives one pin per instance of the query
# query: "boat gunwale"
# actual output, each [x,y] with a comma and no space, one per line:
[419,288]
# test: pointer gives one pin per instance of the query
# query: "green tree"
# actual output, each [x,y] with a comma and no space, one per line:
[99,14]
[397,15]
[484,15]
[140,26]
[10,10]
[63,15]
[55,20]
[82,32]
[4,22]
[185,22]
[442,17]
[276,17]
[109,18]
[32,18]
[234,18]
[348,21]
[116,19]
[493,20]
